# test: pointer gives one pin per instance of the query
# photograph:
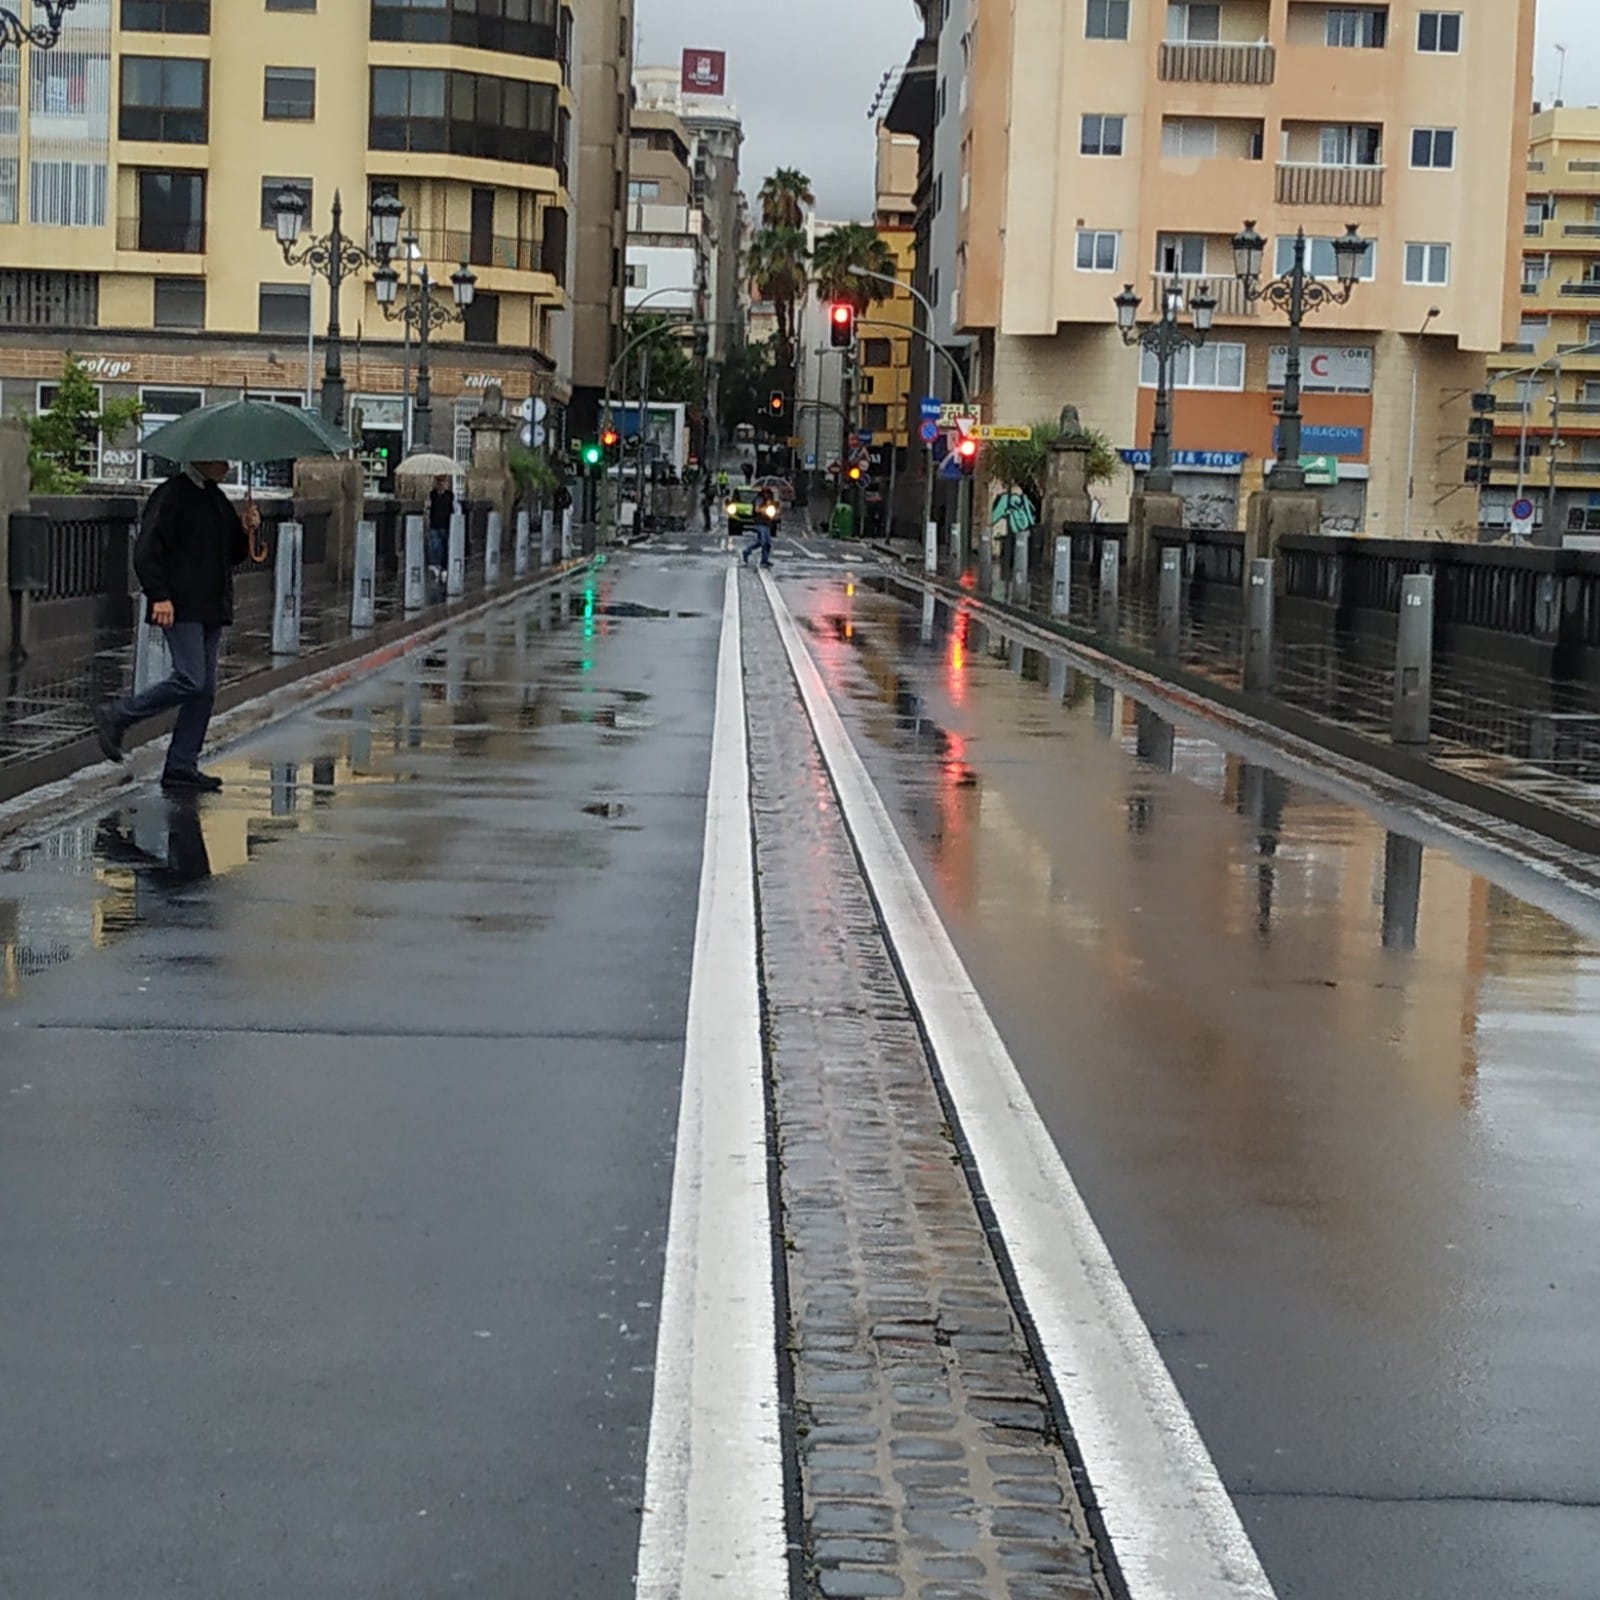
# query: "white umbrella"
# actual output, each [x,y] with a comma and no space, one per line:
[426,465]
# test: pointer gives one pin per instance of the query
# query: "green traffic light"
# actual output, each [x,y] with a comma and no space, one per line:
[591,455]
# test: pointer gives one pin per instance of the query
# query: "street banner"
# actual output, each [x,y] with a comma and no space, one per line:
[705,71]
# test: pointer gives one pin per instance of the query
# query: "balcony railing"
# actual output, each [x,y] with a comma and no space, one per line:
[1584,289]
[1310,183]
[1582,230]
[159,237]
[1223,287]
[443,247]
[1218,63]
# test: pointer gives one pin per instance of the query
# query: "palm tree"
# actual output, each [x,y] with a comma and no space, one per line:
[853,244]
[777,265]
[785,198]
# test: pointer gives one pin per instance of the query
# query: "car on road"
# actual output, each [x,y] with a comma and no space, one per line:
[749,504]
[779,486]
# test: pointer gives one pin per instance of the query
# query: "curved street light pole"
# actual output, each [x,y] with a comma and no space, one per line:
[1164,338]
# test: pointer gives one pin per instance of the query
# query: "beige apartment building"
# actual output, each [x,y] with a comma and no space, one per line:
[1108,142]
[139,161]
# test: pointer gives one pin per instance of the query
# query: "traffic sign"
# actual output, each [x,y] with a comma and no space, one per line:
[959,416]
[1522,513]
[930,408]
[929,430]
[1000,430]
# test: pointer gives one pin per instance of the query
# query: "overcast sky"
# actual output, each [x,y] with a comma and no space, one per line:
[1576,24]
[802,78]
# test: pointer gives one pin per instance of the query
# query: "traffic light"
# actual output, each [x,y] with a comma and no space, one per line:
[853,473]
[609,439]
[841,325]
[967,454]
[775,403]
[591,454]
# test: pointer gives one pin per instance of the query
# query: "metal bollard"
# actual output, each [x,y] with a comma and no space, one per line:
[1019,570]
[566,534]
[1413,664]
[492,536]
[547,539]
[286,591]
[930,548]
[520,550]
[1169,604]
[1061,578]
[152,661]
[1110,578]
[364,594]
[1402,891]
[986,565]
[926,635]
[955,549]
[1058,678]
[456,580]
[416,571]
[1258,600]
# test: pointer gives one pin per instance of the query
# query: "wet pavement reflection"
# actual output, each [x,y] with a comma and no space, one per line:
[1328,1088]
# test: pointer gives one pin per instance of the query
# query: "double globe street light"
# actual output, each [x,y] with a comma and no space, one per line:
[423,312]
[42,34]
[335,256]
[1164,338]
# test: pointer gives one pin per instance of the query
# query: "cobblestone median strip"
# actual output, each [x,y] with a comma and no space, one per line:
[930,1466]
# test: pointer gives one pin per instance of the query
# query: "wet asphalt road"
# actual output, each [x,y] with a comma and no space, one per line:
[1331,1097]
[336,1125]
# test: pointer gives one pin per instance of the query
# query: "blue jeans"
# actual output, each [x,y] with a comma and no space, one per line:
[760,539]
[192,688]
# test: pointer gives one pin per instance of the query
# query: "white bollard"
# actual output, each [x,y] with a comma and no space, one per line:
[520,550]
[566,534]
[416,569]
[152,661]
[286,594]
[547,539]
[491,551]
[926,635]
[456,581]
[1061,578]
[930,547]
[1019,570]
[364,594]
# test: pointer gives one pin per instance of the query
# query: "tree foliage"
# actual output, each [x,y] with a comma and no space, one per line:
[749,376]
[674,373]
[785,198]
[1020,463]
[59,435]
[777,268]
[853,244]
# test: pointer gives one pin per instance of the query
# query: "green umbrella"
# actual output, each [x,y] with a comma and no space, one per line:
[248,430]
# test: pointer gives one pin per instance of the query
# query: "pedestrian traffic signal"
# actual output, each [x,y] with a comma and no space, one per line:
[967,454]
[841,325]
[775,403]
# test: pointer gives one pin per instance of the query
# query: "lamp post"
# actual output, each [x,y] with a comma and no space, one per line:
[42,35]
[1296,292]
[335,256]
[1164,338]
[422,311]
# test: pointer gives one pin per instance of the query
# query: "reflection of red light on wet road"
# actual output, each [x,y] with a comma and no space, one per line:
[956,667]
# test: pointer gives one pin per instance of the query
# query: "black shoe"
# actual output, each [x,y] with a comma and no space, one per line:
[109,735]
[200,782]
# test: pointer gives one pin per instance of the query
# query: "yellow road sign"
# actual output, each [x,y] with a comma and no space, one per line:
[1000,430]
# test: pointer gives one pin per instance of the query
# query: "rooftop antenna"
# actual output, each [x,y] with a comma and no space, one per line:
[1561,72]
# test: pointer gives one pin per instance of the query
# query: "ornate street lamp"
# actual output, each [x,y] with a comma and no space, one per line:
[424,312]
[1296,293]
[45,35]
[335,257]
[1164,338]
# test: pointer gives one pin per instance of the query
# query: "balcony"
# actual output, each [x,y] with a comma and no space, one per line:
[155,236]
[1581,230]
[1583,289]
[1217,63]
[1223,287]
[1310,183]
[500,252]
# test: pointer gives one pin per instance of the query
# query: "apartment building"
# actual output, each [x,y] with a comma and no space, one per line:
[140,159]
[1547,383]
[888,357]
[1112,142]
[668,261]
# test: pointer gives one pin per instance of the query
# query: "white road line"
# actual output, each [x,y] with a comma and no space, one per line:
[805,550]
[1173,1528]
[714,1514]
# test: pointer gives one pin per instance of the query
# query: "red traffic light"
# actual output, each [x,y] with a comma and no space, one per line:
[841,325]
[775,402]
[841,315]
[966,452]
[609,438]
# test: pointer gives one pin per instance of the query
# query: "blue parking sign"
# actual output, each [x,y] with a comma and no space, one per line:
[930,409]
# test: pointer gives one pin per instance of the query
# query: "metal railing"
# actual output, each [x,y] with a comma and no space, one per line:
[1313,183]
[1217,63]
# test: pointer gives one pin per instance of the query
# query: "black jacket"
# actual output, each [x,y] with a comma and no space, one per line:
[441,505]
[190,540]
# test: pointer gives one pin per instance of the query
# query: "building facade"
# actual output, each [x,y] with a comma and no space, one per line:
[139,162]
[1113,142]
[1546,384]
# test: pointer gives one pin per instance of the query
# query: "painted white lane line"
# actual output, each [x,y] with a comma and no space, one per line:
[1173,1528]
[714,1514]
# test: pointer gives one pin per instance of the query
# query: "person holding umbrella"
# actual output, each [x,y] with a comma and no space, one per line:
[190,540]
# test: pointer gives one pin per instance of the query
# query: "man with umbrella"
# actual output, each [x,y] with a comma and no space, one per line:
[190,540]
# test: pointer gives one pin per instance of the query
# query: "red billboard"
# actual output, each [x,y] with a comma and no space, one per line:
[705,71]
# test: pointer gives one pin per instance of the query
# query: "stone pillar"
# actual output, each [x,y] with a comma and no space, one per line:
[1066,483]
[341,485]
[489,480]
[14,487]
[1147,512]
[1272,515]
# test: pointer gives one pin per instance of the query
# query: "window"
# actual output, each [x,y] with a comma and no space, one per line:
[1097,251]
[481,324]
[1352,145]
[1358,27]
[172,212]
[1101,136]
[1212,366]
[966,190]
[1427,263]
[1189,138]
[875,419]
[1535,269]
[166,16]
[1181,254]
[1106,19]
[636,275]
[180,302]
[467,114]
[291,5]
[877,353]
[291,94]
[164,99]
[510,27]
[641,190]
[1194,21]
[1321,261]
[1592,333]
[285,308]
[1541,208]
[1439,33]
[271,188]
[1532,331]
[1433,147]
[1590,392]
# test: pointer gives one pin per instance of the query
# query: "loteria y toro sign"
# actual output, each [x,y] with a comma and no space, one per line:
[704,71]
